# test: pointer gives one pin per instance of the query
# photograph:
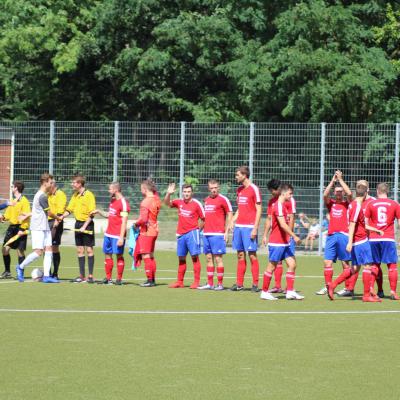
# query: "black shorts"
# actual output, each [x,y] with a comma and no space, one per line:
[84,239]
[19,244]
[56,233]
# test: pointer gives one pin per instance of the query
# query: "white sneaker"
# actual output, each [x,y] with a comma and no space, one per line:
[206,287]
[345,293]
[322,292]
[219,287]
[267,296]
[292,295]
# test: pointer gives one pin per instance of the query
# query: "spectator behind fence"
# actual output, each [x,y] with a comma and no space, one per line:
[325,225]
[301,226]
[313,233]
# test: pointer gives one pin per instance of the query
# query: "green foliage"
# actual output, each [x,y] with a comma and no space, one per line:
[204,60]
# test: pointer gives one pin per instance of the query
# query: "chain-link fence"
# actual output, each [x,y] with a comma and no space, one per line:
[304,154]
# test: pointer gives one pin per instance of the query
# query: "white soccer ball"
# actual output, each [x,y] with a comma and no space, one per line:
[37,274]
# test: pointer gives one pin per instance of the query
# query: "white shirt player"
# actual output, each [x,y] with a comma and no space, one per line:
[40,206]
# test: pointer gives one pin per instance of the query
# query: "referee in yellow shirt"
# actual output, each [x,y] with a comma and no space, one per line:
[82,204]
[57,203]
[20,205]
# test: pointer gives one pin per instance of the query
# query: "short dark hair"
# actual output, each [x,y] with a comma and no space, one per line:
[150,184]
[45,177]
[80,179]
[285,187]
[244,170]
[273,184]
[187,186]
[19,185]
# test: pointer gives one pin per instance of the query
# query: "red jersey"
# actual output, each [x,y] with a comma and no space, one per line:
[189,214]
[216,209]
[338,212]
[149,210]
[381,214]
[247,198]
[278,236]
[116,211]
[290,205]
[356,214]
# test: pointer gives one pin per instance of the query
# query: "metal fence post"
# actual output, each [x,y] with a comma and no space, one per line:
[12,161]
[182,158]
[51,148]
[251,149]
[115,163]
[321,186]
[396,163]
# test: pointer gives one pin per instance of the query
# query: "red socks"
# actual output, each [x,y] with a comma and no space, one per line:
[255,270]
[374,275]
[347,272]
[366,277]
[351,283]
[290,281]
[196,268]
[210,275]
[241,270]
[108,267]
[266,281]
[393,276]
[328,274]
[150,268]
[278,275]
[220,275]
[120,267]
[181,270]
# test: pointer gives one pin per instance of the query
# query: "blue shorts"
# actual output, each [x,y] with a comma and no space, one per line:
[188,242]
[279,253]
[335,247]
[384,252]
[110,246]
[214,244]
[242,239]
[292,245]
[361,254]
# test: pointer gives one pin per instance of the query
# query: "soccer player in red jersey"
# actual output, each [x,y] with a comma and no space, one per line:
[218,216]
[351,282]
[338,230]
[381,214]
[279,246]
[190,212]
[246,221]
[114,237]
[358,245]
[148,224]
[274,188]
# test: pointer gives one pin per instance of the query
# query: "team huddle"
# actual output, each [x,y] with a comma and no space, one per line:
[361,234]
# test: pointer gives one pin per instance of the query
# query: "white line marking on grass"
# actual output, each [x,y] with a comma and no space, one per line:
[160,312]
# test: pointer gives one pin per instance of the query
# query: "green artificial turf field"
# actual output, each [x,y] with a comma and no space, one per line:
[101,343]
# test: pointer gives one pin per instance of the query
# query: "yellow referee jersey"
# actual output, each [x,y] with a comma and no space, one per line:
[57,202]
[81,205]
[12,213]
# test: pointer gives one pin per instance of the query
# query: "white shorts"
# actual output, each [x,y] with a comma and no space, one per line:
[41,239]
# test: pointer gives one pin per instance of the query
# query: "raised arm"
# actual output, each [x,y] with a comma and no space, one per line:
[328,189]
[171,190]
[339,176]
